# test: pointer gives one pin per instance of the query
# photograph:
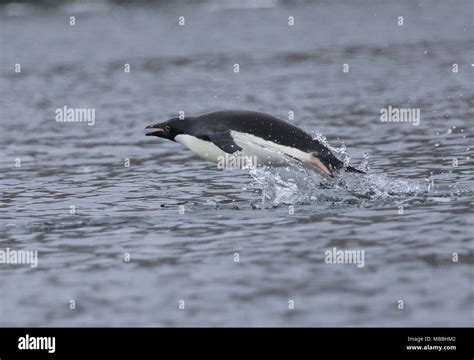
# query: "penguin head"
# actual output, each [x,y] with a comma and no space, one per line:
[167,130]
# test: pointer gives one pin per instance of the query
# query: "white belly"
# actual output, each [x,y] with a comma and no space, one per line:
[204,149]
[267,152]
[255,151]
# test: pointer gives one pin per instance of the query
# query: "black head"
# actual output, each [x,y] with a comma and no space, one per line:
[168,129]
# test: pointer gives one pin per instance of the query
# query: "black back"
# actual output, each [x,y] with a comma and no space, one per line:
[259,124]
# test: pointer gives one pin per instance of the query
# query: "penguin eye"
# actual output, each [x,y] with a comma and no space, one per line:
[167,128]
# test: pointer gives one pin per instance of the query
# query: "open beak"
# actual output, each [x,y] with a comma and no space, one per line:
[156,132]
[320,166]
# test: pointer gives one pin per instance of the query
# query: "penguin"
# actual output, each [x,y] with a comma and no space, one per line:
[236,134]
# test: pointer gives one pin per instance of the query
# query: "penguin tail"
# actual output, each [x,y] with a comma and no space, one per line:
[326,161]
[354,170]
[333,163]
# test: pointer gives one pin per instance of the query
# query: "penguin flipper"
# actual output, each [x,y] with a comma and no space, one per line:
[223,140]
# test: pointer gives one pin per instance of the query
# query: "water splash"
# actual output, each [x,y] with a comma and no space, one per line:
[298,184]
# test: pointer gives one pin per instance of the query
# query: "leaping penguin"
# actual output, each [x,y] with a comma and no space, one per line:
[220,134]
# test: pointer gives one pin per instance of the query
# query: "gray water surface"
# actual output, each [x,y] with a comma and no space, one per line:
[182,220]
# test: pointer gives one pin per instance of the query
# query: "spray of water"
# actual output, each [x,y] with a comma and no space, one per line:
[298,184]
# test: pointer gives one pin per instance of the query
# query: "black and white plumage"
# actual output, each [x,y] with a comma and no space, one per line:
[248,134]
